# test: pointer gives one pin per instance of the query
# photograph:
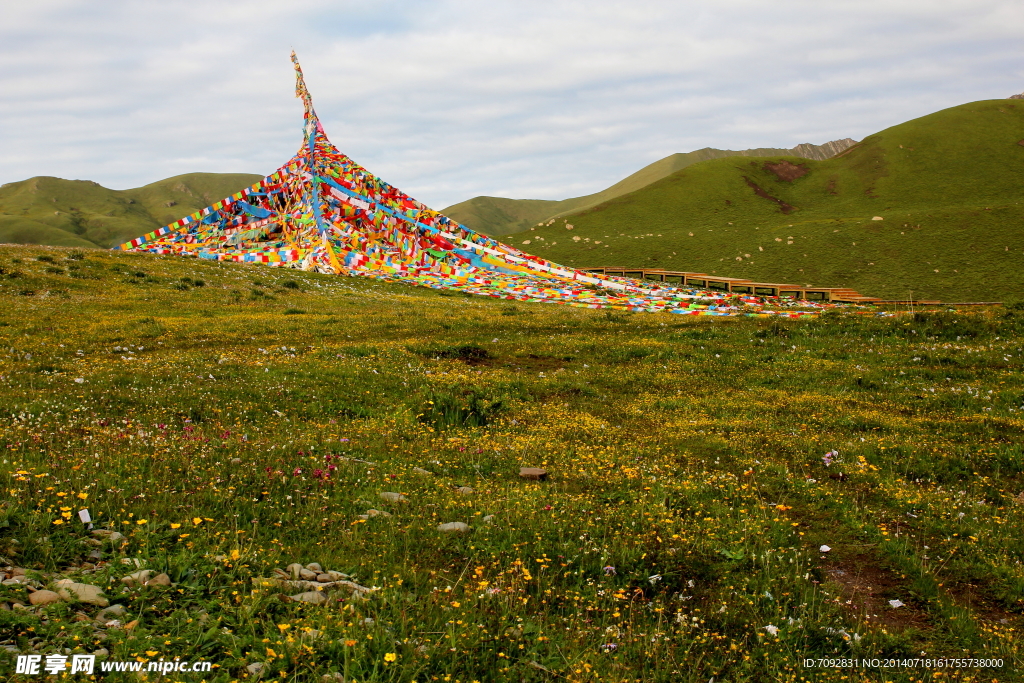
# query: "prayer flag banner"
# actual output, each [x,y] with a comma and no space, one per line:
[323,212]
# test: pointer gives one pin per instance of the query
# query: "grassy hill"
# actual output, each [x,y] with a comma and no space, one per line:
[82,213]
[947,187]
[497,216]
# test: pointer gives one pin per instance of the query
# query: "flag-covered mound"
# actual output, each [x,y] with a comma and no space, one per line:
[321,211]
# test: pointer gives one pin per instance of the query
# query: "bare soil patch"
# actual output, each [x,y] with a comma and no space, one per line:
[759,191]
[785,170]
[866,587]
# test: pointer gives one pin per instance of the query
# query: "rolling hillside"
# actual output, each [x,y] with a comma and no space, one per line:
[81,213]
[946,187]
[498,216]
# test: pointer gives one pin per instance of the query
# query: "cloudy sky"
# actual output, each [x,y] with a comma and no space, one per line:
[456,98]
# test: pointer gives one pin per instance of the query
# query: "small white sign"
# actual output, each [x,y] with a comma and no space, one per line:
[84,516]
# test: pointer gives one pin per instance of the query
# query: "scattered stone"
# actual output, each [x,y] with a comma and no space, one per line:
[374,513]
[108,535]
[324,578]
[420,470]
[43,598]
[20,607]
[877,218]
[368,621]
[533,473]
[315,597]
[315,567]
[159,580]
[112,613]
[335,576]
[255,669]
[333,678]
[392,497]
[488,519]
[5,607]
[307,575]
[282,574]
[102,652]
[274,582]
[236,461]
[293,570]
[137,579]
[96,555]
[356,589]
[453,527]
[17,571]
[15,581]
[83,592]
[465,490]
[132,561]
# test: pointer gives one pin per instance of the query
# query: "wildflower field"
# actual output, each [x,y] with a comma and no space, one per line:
[736,499]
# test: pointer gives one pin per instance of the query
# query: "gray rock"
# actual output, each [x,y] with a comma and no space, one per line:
[5,607]
[293,570]
[18,571]
[324,578]
[282,574]
[255,669]
[83,592]
[420,470]
[236,461]
[137,579]
[333,678]
[335,576]
[112,613]
[159,580]
[392,497]
[453,527]
[315,597]
[465,490]
[488,519]
[307,575]
[108,535]
[533,473]
[355,588]
[314,567]
[20,607]
[43,598]
[102,652]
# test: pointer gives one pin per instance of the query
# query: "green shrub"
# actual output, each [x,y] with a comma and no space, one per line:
[445,409]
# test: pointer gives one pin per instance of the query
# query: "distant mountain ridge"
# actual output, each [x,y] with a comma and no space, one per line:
[929,208]
[497,216]
[82,213]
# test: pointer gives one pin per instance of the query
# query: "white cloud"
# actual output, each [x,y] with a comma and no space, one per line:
[452,99]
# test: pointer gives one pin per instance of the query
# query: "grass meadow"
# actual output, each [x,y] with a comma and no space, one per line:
[231,420]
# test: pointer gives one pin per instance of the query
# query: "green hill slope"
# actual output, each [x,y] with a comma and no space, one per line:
[81,213]
[497,216]
[947,186]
